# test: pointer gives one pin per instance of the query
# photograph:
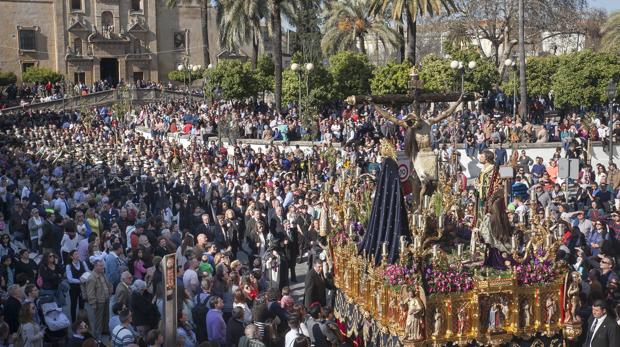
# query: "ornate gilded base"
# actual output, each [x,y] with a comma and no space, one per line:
[572,331]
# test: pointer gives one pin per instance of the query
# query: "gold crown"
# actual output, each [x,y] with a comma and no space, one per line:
[386,149]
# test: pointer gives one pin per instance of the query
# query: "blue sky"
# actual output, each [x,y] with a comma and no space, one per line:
[609,5]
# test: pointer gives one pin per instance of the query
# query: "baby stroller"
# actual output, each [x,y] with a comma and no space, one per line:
[55,320]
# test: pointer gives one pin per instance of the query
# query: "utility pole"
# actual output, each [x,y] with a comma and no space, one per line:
[523,88]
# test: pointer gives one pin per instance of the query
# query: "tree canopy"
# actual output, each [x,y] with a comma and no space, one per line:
[36,74]
[231,80]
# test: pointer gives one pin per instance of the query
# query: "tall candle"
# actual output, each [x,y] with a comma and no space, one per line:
[402,243]
[427,201]
[549,240]
[420,221]
[472,243]
[459,250]
[513,243]
[414,222]
[415,242]
[435,247]
[418,240]
[385,252]
[440,221]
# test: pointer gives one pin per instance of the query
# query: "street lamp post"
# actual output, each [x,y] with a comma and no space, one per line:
[611,95]
[460,66]
[509,63]
[297,69]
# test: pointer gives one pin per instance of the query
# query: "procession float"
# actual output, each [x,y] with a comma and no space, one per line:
[428,270]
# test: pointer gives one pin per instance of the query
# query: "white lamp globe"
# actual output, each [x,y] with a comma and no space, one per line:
[309,66]
[472,64]
[195,68]
[508,62]
[180,67]
[210,66]
[294,66]
[454,64]
[460,64]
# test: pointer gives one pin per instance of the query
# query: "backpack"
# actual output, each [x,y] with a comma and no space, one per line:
[199,316]
[83,281]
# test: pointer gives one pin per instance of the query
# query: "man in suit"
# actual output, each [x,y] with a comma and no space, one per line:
[316,285]
[207,228]
[602,330]
[123,291]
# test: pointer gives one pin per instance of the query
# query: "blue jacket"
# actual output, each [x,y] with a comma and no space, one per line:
[216,327]
[113,269]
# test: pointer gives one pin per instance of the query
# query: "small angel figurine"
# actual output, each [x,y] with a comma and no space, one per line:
[572,294]
[526,308]
[550,309]
[462,317]
[415,316]
[438,322]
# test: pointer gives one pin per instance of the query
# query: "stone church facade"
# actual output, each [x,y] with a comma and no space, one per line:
[91,40]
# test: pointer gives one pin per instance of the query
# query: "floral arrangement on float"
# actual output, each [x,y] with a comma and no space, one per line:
[450,280]
[397,275]
[535,272]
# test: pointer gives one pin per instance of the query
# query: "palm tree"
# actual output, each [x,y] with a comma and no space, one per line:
[407,12]
[205,24]
[240,22]
[611,33]
[278,8]
[348,24]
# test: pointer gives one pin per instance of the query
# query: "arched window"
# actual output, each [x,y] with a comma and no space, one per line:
[77,46]
[136,5]
[107,19]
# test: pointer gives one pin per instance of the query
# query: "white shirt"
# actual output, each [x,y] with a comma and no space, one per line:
[291,335]
[190,280]
[598,322]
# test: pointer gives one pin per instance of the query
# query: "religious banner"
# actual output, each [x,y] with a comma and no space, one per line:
[169,271]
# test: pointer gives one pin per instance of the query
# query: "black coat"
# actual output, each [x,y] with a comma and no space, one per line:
[607,335]
[11,313]
[316,286]
[144,311]
[234,331]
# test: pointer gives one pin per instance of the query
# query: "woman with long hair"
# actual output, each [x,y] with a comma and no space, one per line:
[137,264]
[93,223]
[51,274]
[35,226]
[31,333]
[187,243]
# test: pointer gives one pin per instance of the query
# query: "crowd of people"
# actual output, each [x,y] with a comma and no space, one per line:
[89,207]
[90,210]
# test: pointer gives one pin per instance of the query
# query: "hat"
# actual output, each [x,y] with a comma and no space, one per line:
[138,286]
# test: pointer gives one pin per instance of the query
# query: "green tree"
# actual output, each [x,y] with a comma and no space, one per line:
[277,8]
[480,79]
[205,23]
[239,22]
[264,73]
[7,78]
[348,25]
[320,89]
[351,73]
[611,33]
[437,74]
[307,36]
[233,79]
[582,78]
[41,74]
[391,78]
[184,76]
[407,11]
[539,72]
